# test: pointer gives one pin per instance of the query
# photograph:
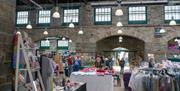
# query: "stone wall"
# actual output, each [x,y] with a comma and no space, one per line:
[94,33]
[7,9]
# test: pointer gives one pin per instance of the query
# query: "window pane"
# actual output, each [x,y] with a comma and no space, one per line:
[137,13]
[71,14]
[172,11]
[44,16]
[102,14]
[22,17]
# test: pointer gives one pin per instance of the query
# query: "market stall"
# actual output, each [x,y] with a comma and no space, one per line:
[103,82]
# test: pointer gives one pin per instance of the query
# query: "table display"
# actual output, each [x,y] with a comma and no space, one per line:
[94,81]
[75,87]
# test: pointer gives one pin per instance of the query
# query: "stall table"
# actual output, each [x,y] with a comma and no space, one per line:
[94,82]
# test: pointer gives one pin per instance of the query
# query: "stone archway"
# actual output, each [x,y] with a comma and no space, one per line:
[131,43]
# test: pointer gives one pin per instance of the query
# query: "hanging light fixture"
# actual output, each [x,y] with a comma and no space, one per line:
[80,31]
[119,31]
[29,26]
[162,30]
[63,38]
[172,22]
[56,14]
[120,38]
[70,41]
[45,33]
[119,11]
[119,24]
[71,25]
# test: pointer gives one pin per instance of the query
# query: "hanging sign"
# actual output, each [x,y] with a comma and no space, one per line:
[63,44]
[44,44]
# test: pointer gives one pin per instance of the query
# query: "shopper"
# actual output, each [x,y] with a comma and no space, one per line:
[151,63]
[70,64]
[122,64]
[109,63]
[98,63]
[77,64]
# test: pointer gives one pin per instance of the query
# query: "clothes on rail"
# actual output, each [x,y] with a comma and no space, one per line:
[150,81]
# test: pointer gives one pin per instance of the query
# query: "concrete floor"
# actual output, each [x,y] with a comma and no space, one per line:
[120,86]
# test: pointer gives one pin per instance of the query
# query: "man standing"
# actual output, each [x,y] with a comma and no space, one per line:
[70,65]
[122,63]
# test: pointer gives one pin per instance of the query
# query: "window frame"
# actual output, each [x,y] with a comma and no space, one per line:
[102,22]
[138,21]
[67,8]
[43,24]
[19,25]
[167,21]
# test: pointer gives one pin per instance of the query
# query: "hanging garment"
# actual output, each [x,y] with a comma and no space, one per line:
[46,72]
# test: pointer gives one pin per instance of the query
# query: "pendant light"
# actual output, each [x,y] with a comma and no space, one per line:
[119,31]
[80,32]
[63,38]
[162,30]
[45,33]
[120,38]
[71,25]
[56,14]
[172,22]
[70,41]
[119,11]
[119,24]
[29,26]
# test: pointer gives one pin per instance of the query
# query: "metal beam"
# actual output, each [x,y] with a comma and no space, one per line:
[40,7]
[128,2]
[25,1]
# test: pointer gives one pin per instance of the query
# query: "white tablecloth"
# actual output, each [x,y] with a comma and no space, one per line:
[94,82]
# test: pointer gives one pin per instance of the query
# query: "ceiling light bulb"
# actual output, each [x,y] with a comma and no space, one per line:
[119,31]
[162,30]
[71,25]
[172,22]
[29,26]
[80,31]
[119,24]
[70,41]
[45,33]
[119,12]
[63,38]
[120,40]
[56,13]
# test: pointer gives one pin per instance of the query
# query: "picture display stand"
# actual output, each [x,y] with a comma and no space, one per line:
[27,69]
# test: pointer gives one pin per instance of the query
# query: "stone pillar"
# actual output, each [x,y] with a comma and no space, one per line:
[7,22]
[158,49]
